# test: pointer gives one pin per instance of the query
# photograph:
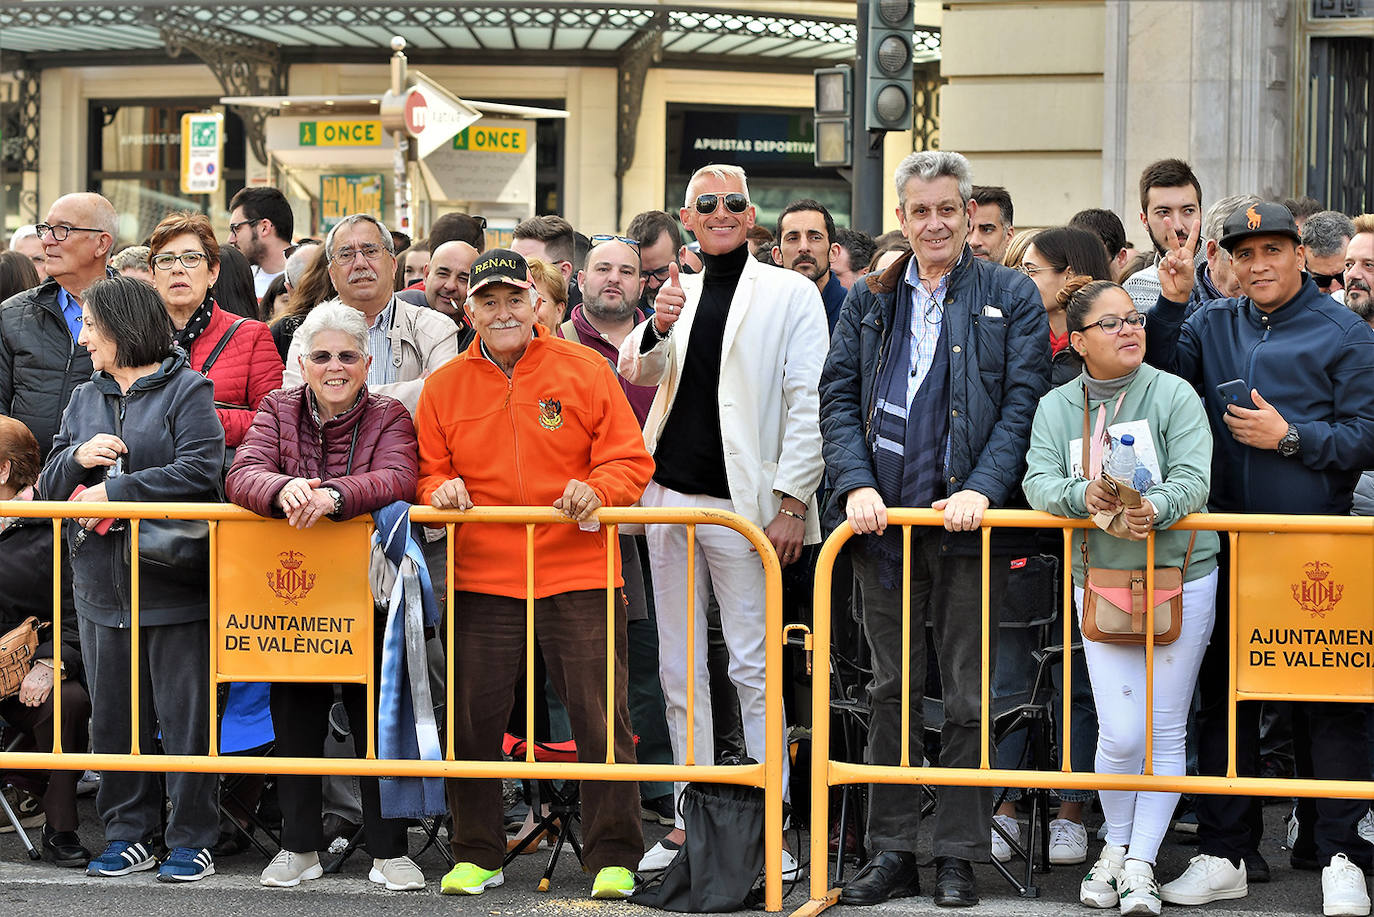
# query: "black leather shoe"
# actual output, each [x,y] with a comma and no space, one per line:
[63,848]
[1256,867]
[890,874]
[954,883]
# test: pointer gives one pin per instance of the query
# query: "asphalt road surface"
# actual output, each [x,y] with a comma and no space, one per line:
[29,888]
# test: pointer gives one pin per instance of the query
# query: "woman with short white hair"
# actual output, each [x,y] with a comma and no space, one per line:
[328,448]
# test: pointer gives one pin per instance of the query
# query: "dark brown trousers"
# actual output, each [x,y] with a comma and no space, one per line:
[489,650]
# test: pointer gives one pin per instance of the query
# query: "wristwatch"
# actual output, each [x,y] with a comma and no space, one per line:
[1291,443]
[337,498]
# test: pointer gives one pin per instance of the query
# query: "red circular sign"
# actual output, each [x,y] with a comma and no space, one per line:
[416,111]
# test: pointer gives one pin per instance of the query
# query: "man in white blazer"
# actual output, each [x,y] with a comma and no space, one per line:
[736,352]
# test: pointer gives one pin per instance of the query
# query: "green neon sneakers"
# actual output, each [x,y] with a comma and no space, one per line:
[614,882]
[470,879]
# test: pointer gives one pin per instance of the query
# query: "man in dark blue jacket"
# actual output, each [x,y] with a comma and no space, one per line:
[1296,444]
[927,396]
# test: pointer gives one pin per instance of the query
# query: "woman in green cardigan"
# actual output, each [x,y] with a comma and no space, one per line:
[1173,450]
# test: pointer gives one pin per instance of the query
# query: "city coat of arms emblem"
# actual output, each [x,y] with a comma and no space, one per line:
[291,582]
[1317,594]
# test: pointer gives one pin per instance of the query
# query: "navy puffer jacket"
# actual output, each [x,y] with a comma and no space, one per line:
[999,367]
[376,438]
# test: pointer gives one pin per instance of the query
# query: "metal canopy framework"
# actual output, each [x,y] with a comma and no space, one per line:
[352,30]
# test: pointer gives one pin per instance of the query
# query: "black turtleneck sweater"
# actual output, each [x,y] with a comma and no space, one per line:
[690,457]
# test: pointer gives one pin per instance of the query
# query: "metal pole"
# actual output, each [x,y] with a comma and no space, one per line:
[866,204]
[401,170]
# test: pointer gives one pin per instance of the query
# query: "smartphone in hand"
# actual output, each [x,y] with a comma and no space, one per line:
[1235,392]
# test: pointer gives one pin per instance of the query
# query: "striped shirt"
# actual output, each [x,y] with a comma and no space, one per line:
[927,315]
[382,371]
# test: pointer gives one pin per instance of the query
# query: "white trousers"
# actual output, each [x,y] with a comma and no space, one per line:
[1138,821]
[725,563]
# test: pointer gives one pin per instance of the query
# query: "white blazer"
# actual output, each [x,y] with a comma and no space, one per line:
[774,346]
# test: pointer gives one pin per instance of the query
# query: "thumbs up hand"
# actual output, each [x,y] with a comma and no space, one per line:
[669,301]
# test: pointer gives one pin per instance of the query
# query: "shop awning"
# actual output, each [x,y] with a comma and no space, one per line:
[510,32]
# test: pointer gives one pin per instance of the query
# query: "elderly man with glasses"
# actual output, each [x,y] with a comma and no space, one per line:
[733,427]
[40,362]
[407,342]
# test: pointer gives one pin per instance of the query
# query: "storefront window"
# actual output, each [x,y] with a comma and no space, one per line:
[135,161]
[775,147]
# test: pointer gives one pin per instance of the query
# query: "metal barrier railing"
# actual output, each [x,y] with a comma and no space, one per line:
[826,772]
[767,775]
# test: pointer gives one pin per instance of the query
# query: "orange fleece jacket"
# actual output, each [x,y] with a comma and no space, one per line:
[517,442]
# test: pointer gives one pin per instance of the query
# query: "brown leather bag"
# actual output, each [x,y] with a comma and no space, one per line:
[1114,602]
[16,655]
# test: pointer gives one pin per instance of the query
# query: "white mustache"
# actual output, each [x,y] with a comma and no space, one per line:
[501,326]
[362,275]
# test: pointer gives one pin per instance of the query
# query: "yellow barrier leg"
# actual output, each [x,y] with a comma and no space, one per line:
[821,895]
[57,637]
[133,637]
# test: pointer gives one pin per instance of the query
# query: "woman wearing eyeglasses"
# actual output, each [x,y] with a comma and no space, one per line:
[1117,394]
[328,448]
[236,354]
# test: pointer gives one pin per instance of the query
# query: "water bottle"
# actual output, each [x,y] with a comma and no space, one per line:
[1121,464]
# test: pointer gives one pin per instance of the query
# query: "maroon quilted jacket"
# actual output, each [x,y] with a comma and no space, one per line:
[286,442]
[247,369]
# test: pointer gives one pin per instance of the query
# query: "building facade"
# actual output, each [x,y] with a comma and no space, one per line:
[1061,101]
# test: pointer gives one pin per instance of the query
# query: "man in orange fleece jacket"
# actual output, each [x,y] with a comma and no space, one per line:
[525,418]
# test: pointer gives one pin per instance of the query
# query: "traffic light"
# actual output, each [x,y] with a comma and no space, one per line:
[834,116]
[888,55]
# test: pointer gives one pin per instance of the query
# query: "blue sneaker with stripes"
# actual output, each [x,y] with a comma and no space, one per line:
[187,864]
[121,858]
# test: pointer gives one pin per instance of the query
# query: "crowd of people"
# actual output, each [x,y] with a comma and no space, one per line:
[803,376]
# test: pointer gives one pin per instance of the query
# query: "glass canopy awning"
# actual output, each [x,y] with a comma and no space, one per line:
[525,30]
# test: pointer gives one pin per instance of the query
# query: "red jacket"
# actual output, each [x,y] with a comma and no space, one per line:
[517,442]
[287,442]
[247,369]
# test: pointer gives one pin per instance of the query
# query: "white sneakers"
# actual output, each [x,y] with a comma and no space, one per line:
[1099,887]
[1139,893]
[287,869]
[1344,893]
[1068,842]
[659,856]
[398,874]
[1001,850]
[1206,879]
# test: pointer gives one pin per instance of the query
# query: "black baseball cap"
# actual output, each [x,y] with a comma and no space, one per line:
[1262,219]
[499,265]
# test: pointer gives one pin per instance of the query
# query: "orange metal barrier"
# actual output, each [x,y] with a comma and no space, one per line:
[768,775]
[826,773]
